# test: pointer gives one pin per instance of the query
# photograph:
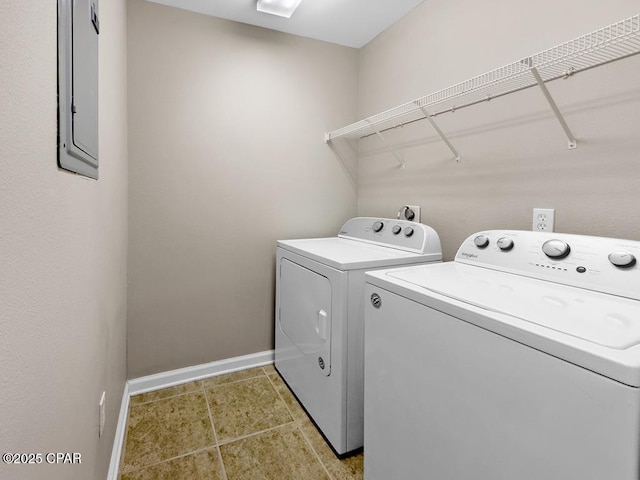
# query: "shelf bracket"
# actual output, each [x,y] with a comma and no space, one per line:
[573,143]
[444,138]
[395,155]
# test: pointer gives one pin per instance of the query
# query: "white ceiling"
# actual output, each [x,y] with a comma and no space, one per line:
[352,23]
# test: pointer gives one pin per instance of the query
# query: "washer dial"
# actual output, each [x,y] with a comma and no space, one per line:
[481,241]
[505,244]
[622,259]
[377,226]
[556,249]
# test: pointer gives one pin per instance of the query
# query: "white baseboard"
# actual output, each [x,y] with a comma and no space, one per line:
[121,430]
[171,378]
[197,372]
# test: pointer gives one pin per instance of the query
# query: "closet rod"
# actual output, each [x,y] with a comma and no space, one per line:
[564,75]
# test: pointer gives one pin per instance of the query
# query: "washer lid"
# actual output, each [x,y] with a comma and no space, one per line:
[347,254]
[602,319]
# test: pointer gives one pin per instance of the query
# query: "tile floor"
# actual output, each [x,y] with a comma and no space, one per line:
[241,426]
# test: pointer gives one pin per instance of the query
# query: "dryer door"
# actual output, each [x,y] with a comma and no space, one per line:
[305,312]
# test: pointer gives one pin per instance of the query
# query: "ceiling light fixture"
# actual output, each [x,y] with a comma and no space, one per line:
[281,8]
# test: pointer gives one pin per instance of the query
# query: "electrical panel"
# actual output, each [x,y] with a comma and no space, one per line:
[78,30]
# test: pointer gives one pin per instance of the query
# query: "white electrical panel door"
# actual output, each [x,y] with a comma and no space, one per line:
[78,29]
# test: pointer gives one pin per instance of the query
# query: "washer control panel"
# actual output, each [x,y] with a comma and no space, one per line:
[597,263]
[402,234]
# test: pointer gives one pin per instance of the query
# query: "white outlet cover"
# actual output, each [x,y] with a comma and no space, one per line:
[543,220]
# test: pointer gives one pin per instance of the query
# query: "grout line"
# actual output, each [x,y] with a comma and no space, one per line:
[215,435]
[198,391]
[264,369]
[217,444]
[182,455]
[253,434]
[315,452]
[297,423]
[213,428]
[222,467]
[286,405]
[202,386]
[165,398]
[217,385]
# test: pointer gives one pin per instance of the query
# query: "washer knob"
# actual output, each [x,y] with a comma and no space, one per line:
[481,241]
[396,229]
[505,244]
[556,249]
[377,226]
[622,259]
[408,231]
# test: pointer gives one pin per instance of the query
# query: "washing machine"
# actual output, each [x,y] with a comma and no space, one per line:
[520,360]
[320,312]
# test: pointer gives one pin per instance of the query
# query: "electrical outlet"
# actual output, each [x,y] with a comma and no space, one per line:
[543,219]
[405,213]
[102,414]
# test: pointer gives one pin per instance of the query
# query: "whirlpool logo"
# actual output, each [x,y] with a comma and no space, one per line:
[468,255]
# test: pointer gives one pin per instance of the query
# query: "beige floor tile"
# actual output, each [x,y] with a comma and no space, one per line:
[174,422]
[233,377]
[246,407]
[350,468]
[294,406]
[204,465]
[166,393]
[278,454]
[165,429]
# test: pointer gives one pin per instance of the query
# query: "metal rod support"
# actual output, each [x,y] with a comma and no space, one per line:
[573,143]
[395,155]
[444,138]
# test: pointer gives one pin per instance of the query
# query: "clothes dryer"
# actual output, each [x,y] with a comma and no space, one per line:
[320,313]
[518,360]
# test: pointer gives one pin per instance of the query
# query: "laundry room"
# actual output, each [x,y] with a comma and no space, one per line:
[151,292]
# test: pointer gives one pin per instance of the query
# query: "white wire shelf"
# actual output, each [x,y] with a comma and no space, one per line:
[614,42]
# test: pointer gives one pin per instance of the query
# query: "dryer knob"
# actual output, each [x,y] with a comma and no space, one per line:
[481,241]
[505,244]
[396,229]
[408,231]
[377,226]
[622,259]
[556,249]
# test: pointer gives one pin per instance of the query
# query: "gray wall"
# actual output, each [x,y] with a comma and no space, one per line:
[63,247]
[227,156]
[514,151]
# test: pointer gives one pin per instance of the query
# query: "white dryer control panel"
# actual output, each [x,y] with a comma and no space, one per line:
[410,236]
[607,265]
